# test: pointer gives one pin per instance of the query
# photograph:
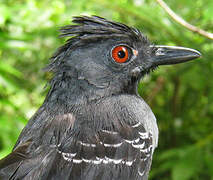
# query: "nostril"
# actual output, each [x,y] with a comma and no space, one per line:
[160,52]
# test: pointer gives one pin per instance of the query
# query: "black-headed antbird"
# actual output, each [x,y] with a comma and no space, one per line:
[93,125]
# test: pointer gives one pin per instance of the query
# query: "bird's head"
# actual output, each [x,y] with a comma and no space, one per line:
[109,56]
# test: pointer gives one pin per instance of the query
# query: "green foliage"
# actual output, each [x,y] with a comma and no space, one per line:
[181,96]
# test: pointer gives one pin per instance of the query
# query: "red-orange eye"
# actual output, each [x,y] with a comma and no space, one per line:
[120,54]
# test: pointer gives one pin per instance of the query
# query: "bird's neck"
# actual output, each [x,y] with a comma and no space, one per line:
[74,92]
[69,91]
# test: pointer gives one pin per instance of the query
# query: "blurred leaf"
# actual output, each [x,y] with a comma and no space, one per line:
[188,165]
[9,69]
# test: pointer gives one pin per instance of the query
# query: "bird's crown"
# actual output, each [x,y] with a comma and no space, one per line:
[88,29]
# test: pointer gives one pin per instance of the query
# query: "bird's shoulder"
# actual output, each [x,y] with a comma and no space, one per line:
[130,109]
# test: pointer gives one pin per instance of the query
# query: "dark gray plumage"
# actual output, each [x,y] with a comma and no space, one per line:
[93,125]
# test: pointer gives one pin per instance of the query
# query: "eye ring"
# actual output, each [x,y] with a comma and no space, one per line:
[121,54]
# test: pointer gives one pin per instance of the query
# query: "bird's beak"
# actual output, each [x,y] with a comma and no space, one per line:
[165,55]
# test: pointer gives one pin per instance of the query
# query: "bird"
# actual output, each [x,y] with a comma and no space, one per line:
[93,125]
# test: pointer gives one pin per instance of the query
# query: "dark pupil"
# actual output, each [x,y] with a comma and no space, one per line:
[121,54]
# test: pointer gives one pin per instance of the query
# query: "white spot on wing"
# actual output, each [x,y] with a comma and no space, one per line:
[129,163]
[136,125]
[140,146]
[112,145]
[87,144]
[133,141]
[141,173]
[117,161]
[97,161]
[144,135]
[67,158]
[129,141]
[137,140]
[70,155]
[87,160]
[109,160]
[109,132]
[77,161]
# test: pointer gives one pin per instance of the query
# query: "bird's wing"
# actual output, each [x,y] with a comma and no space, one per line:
[36,148]
[10,163]
[22,165]
[120,153]
[108,152]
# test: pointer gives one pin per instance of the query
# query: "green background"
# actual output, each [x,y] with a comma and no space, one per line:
[180,96]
